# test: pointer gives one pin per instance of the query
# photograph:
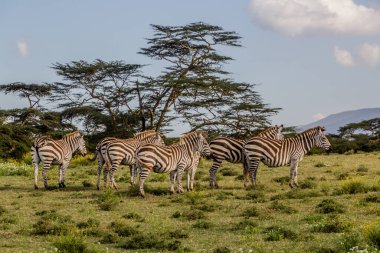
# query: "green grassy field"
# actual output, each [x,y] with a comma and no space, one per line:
[335,209]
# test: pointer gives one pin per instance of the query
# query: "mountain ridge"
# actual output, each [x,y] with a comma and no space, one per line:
[333,122]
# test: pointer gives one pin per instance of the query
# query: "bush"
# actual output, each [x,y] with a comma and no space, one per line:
[122,229]
[331,225]
[329,206]
[90,223]
[256,196]
[221,250]
[176,215]
[107,201]
[229,172]
[276,233]
[282,180]
[150,241]
[193,214]
[110,238]
[70,243]
[372,233]
[362,168]
[178,234]
[202,224]
[277,206]
[87,183]
[350,241]
[245,225]
[250,212]
[52,223]
[354,187]
[372,198]
[134,216]
[320,165]
[307,184]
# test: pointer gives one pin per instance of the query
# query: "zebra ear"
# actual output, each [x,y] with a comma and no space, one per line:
[204,134]
[323,129]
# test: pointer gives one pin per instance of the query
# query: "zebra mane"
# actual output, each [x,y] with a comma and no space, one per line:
[144,132]
[187,136]
[73,134]
[311,130]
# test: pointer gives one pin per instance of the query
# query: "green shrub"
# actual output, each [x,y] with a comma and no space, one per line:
[123,229]
[307,184]
[229,172]
[245,224]
[256,196]
[342,176]
[282,180]
[176,214]
[250,212]
[223,195]
[178,234]
[320,165]
[362,168]
[276,233]
[90,223]
[107,201]
[87,183]
[134,216]
[52,223]
[193,214]
[372,233]
[206,207]
[110,238]
[349,241]
[372,198]
[277,206]
[202,224]
[333,224]
[354,187]
[222,250]
[70,243]
[150,241]
[313,218]
[2,210]
[329,206]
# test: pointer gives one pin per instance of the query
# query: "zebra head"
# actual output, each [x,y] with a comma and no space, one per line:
[279,136]
[321,140]
[203,146]
[82,145]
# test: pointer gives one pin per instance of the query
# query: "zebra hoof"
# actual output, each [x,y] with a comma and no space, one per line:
[35,187]
[63,185]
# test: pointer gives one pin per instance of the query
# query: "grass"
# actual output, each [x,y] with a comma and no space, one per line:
[335,209]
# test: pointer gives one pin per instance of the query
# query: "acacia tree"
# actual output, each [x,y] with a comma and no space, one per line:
[99,94]
[20,125]
[194,84]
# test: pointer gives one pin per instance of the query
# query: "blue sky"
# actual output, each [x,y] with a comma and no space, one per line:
[310,57]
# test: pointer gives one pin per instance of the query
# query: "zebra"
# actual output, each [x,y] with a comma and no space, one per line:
[122,151]
[58,152]
[230,149]
[275,153]
[100,151]
[173,159]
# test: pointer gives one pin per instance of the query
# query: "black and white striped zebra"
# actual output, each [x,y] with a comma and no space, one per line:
[123,151]
[231,150]
[100,151]
[58,152]
[173,159]
[291,151]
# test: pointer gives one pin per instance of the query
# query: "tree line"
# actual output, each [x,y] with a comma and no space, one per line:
[115,98]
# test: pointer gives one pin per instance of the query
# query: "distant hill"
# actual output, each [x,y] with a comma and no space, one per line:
[334,121]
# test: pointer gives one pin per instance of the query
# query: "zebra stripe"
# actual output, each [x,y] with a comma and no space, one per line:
[276,153]
[122,151]
[231,150]
[173,159]
[58,152]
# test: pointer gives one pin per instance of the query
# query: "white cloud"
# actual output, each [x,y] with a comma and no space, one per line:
[318,116]
[22,48]
[298,17]
[370,54]
[343,57]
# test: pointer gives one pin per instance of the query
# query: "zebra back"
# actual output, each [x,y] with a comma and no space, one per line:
[274,133]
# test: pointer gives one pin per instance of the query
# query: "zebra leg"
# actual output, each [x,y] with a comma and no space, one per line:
[112,178]
[64,168]
[173,175]
[143,175]
[179,180]
[188,187]
[245,175]
[60,172]
[213,171]
[252,168]
[100,166]
[293,174]
[47,165]
[105,177]
[135,168]
[36,163]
